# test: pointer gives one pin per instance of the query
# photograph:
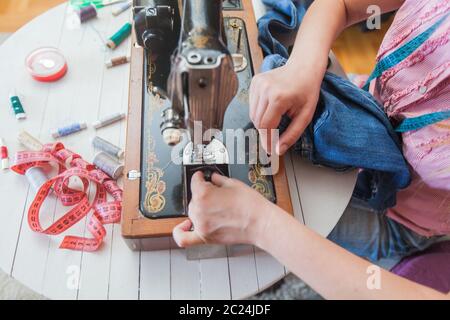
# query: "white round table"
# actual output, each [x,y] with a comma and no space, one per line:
[89,91]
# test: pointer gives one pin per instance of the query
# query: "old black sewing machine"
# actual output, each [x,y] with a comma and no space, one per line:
[192,62]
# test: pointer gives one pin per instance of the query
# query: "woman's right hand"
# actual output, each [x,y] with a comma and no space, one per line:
[289,90]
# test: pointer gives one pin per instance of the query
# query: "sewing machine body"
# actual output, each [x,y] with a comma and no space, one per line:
[156,189]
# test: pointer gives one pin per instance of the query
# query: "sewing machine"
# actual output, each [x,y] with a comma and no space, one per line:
[191,67]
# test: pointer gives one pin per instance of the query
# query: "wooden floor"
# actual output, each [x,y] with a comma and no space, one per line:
[355,50]
[16,13]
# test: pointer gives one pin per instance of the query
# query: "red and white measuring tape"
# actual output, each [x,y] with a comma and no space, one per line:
[71,165]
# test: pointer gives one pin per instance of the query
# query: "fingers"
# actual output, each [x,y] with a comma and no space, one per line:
[219,180]
[294,131]
[263,105]
[253,98]
[198,183]
[270,121]
[184,237]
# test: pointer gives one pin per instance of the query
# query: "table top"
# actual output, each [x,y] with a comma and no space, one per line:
[90,91]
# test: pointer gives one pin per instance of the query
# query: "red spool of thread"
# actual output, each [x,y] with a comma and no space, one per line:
[46,64]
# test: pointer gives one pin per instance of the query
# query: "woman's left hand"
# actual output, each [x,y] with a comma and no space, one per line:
[223,211]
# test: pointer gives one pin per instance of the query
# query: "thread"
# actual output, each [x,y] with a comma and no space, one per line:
[119,36]
[68,130]
[107,147]
[17,106]
[46,64]
[117,61]
[4,154]
[36,177]
[108,165]
[106,121]
[87,13]
[121,8]
[28,141]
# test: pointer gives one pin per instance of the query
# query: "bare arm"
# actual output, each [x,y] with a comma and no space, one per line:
[332,271]
[227,211]
[274,93]
[323,22]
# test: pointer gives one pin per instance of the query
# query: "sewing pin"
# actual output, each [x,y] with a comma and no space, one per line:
[16,105]
[68,130]
[4,154]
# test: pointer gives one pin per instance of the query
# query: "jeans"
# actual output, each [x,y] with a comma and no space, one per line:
[351,130]
[372,235]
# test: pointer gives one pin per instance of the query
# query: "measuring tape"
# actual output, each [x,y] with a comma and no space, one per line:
[71,165]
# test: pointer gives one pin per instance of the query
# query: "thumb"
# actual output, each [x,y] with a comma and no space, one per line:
[184,237]
[219,180]
[294,131]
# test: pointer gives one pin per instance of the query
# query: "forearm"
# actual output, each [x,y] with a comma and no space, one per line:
[332,271]
[323,22]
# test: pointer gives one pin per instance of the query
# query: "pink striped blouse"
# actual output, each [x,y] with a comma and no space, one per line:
[420,85]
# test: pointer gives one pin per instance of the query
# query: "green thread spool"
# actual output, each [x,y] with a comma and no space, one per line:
[17,106]
[119,36]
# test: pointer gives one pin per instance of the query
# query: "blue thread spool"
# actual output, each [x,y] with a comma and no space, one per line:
[68,130]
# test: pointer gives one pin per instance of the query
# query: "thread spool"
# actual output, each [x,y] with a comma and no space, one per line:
[121,8]
[46,64]
[87,13]
[17,106]
[68,130]
[108,165]
[36,177]
[119,36]
[4,154]
[28,141]
[107,147]
[107,120]
[114,62]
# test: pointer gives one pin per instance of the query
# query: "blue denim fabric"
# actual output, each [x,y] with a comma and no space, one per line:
[285,16]
[349,130]
[371,234]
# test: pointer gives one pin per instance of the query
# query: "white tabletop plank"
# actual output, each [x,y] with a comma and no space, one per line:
[214,279]
[14,188]
[185,276]
[87,92]
[243,275]
[94,279]
[155,275]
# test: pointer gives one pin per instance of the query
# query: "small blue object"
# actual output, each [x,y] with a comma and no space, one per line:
[417,123]
[68,130]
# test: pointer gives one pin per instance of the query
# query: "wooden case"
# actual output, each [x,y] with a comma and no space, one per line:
[140,232]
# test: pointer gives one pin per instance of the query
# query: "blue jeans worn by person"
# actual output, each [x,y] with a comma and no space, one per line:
[370,234]
[349,130]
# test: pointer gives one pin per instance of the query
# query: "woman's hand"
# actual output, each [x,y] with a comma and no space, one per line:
[224,211]
[292,90]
